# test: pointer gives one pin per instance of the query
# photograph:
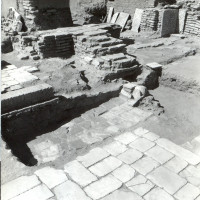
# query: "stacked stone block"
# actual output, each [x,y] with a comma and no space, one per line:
[56,45]
[150,20]
[192,25]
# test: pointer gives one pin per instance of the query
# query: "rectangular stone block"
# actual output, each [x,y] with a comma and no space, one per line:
[110,14]
[182,20]
[94,156]
[140,185]
[114,18]
[159,154]
[145,165]
[106,166]
[68,191]
[179,151]
[115,148]
[103,187]
[167,180]
[79,174]
[169,22]
[40,192]
[137,20]
[25,97]
[188,192]
[18,186]
[122,19]
[51,177]
[124,173]
[176,164]
[130,156]
[142,144]
[158,194]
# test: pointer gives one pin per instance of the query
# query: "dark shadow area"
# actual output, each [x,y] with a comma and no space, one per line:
[18,130]
[4,64]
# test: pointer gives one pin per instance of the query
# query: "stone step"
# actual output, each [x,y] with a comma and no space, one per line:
[96,33]
[111,42]
[102,38]
[124,63]
[113,57]
[116,48]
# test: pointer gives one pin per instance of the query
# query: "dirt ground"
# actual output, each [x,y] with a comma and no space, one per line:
[180,122]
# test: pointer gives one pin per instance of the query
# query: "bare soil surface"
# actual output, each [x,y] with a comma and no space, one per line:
[180,122]
[183,74]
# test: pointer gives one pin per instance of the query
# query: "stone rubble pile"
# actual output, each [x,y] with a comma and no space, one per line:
[12,24]
[134,92]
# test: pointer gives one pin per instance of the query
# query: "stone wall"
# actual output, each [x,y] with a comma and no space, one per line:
[150,20]
[192,25]
[55,45]
[129,6]
[40,14]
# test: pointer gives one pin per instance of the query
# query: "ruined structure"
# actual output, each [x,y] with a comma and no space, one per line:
[43,14]
[71,84]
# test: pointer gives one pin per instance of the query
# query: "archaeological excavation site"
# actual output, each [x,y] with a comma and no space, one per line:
[100,100]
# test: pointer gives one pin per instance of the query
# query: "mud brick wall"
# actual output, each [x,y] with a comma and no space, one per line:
[129,6]
[150,20]
[192,25]
[59,45]
[42,18]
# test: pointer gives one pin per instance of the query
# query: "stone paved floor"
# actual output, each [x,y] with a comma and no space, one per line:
[137,165]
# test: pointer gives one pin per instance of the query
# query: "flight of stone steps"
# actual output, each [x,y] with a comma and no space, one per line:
[104,52]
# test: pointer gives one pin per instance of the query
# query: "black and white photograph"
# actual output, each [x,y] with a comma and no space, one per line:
[100,100]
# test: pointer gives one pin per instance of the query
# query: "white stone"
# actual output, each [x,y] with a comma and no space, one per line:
[179,151]
[176,164]
[188,192]
[142,144]
[79,173]
[70,191]
[122,194]
[192,175]
[137,20]
[103,187]
[140,131]
[151,136]
[145,165]
[94,156]
[51,177]
[130,156]
[115,148]
[140,185]
[110,14]
[159,154]
[106,166]
[166,179]
[114,18]
[158,194]
[40,192]
[154,65]
[124,173]
[18,186]
[126,138]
